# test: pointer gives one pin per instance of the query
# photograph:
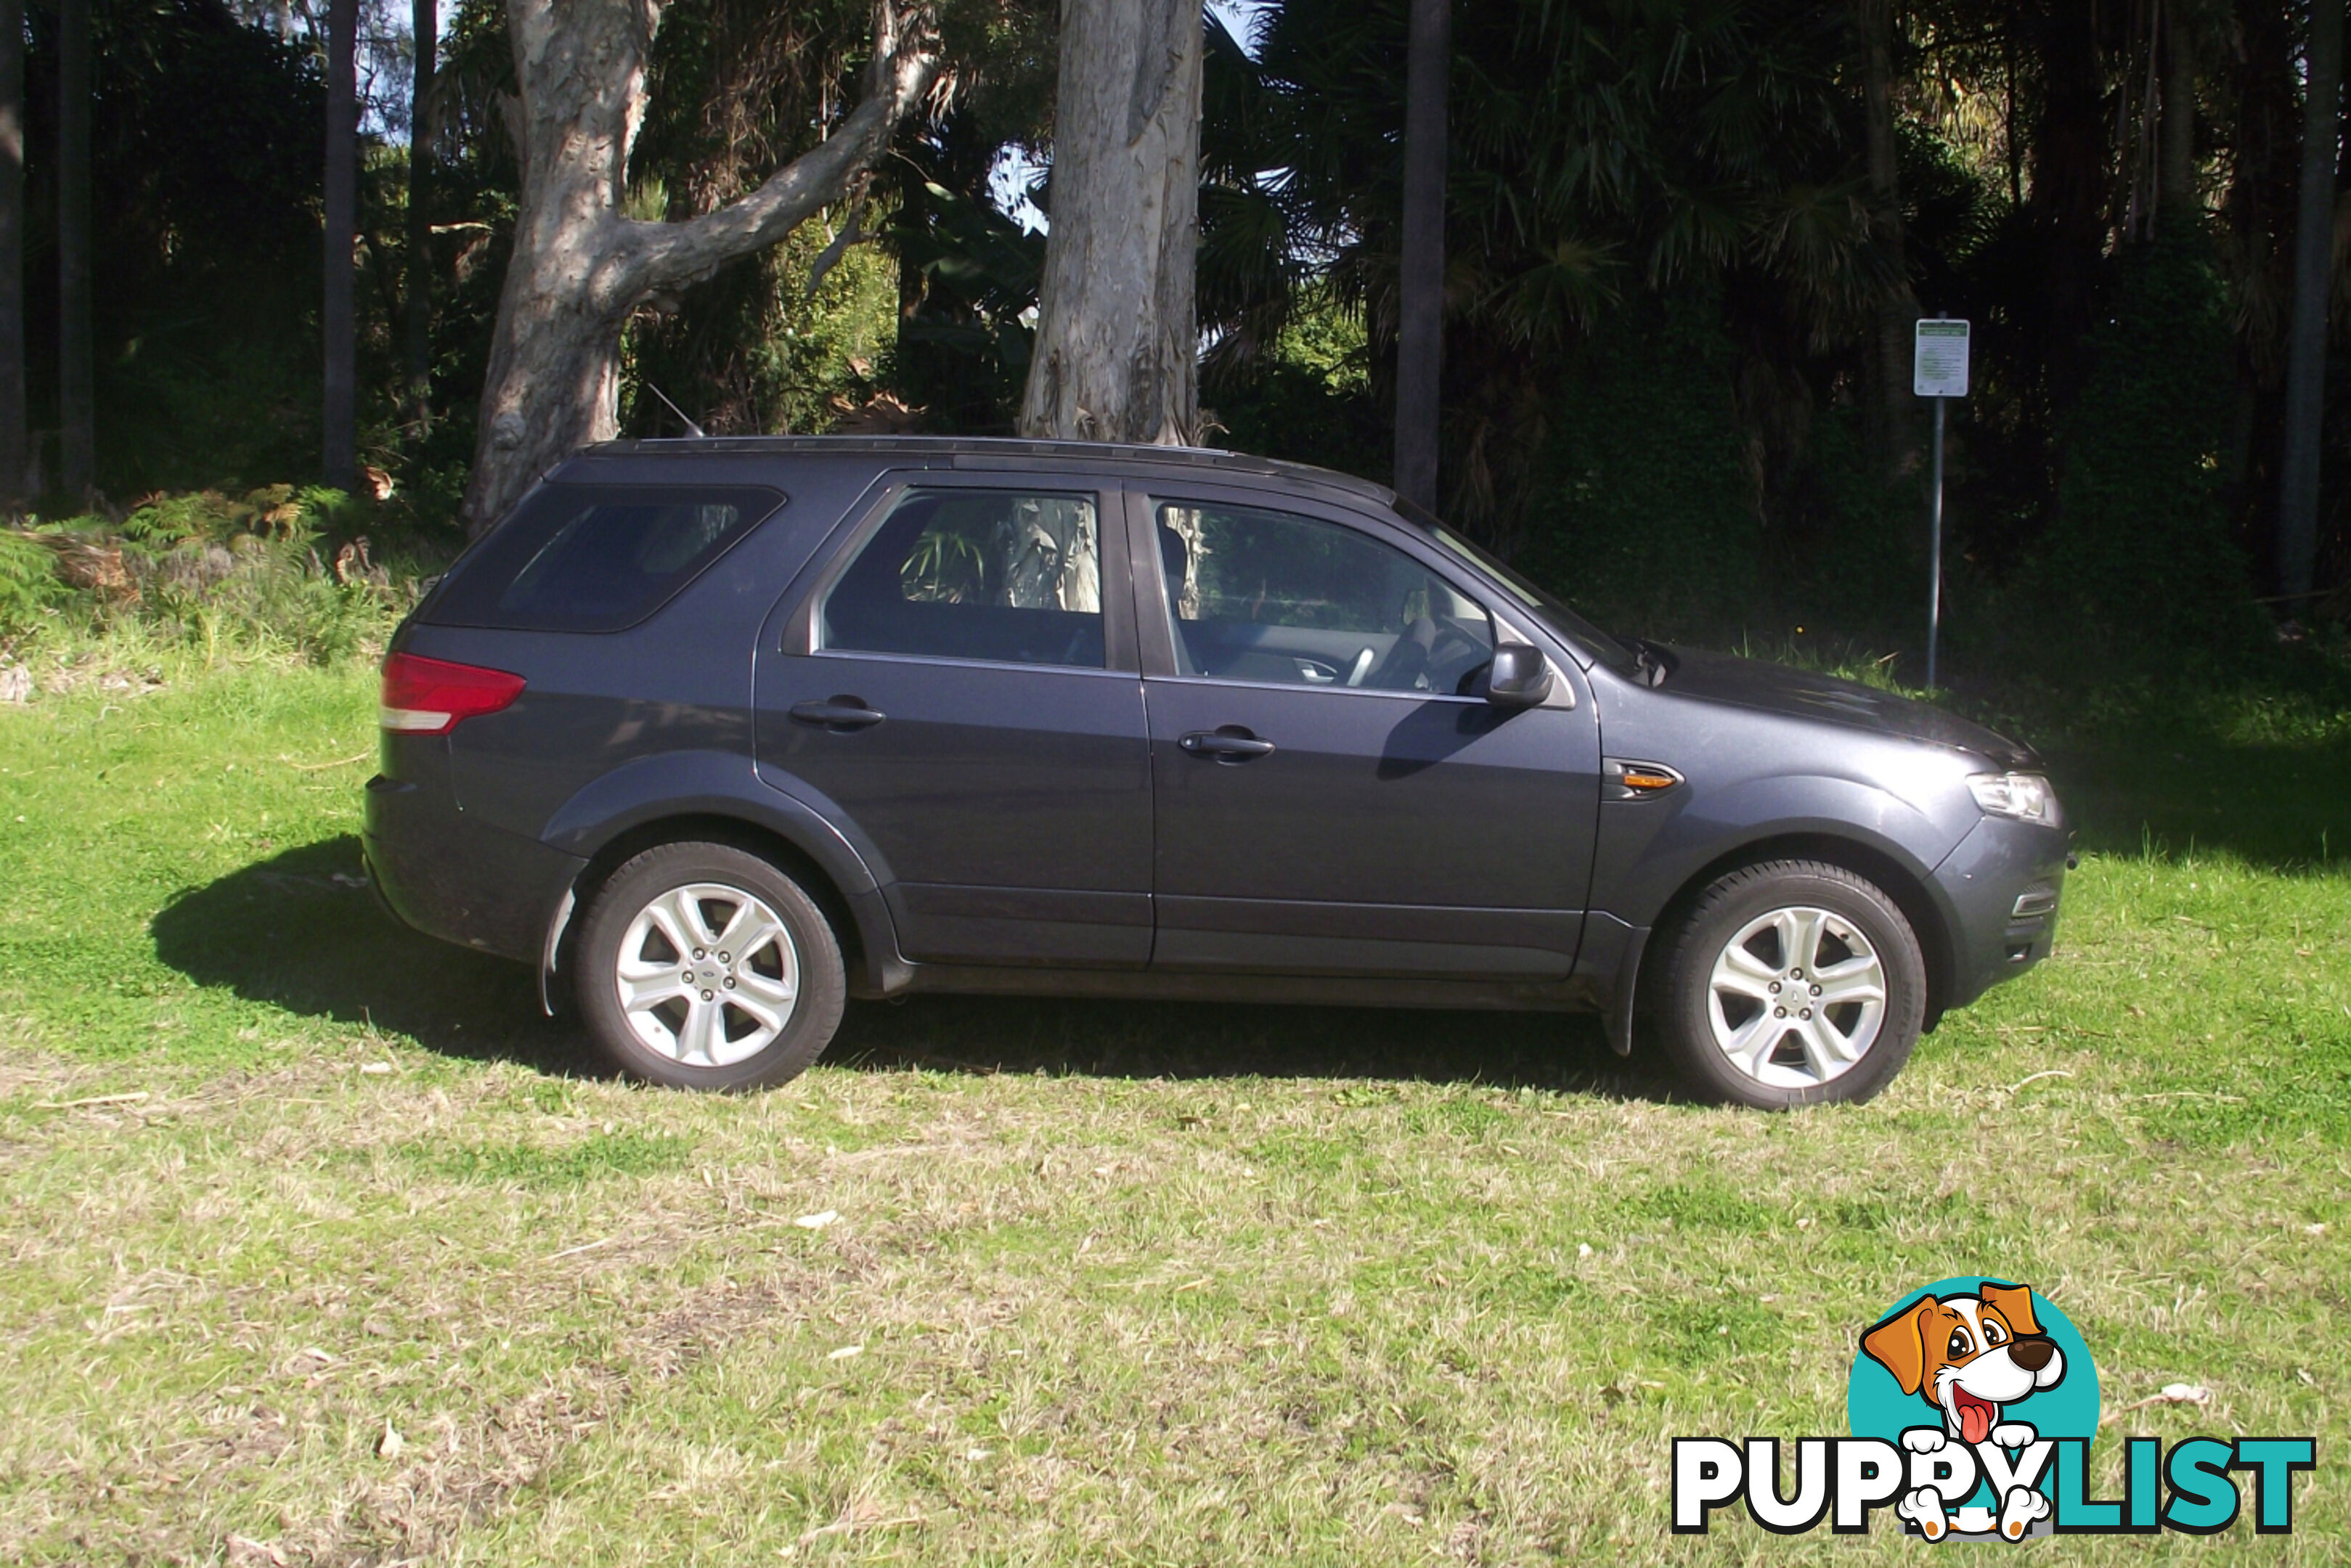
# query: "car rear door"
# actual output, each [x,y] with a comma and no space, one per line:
[1332,795]
[958,689]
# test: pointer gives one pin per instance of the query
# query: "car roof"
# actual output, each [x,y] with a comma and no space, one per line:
[991,451]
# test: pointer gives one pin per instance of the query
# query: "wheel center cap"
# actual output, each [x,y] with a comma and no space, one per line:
[710,973]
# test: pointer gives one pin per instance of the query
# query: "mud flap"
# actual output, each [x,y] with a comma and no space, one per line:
[1628,983]
[555,929]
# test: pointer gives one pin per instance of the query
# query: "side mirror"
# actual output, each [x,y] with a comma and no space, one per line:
[1520,676]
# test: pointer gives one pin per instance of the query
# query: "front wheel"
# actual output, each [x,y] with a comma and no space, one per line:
[1789,983]
[703,966]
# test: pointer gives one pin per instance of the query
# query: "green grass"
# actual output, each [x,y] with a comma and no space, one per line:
[1164,1283]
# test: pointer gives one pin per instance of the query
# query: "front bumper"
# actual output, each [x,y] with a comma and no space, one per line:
[2003,886]
[449,876]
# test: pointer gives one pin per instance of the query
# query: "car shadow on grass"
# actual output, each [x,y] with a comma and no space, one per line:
[301,931]
[1565,1053]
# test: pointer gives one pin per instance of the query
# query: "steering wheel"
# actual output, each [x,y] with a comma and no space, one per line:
[1426,645]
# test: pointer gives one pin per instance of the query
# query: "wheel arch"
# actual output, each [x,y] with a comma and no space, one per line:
[1909,889]
[859,919]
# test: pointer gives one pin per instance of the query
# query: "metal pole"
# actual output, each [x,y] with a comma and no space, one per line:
[1935,552]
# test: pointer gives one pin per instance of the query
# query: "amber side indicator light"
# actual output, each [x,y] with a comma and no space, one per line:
[1635,780]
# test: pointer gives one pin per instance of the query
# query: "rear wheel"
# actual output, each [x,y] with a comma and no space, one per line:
[1790,983]
[704,966]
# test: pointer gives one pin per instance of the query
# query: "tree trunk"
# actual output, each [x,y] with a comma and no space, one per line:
[1420,269]
[2314,242]
[11,252]
[579,267]
[2181,204]
[417,329]
[338,426]
[1898,308]
[77,408]
[1117,342]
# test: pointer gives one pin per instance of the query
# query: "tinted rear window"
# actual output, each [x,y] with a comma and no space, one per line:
[596,557]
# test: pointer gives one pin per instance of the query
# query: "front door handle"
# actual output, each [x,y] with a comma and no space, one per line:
[1230,744]
[839,715]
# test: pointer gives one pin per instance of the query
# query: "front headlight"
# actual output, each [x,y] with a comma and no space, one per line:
[2022,797]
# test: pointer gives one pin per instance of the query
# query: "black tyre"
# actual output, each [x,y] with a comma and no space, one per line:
[703,966]
[1788,983]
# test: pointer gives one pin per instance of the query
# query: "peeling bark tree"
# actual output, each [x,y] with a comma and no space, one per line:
[1117,341]
[579,267]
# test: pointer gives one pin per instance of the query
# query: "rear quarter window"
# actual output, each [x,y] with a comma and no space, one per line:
[596,557]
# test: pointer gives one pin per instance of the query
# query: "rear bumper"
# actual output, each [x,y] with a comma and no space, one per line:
[454,878]
[2002,885]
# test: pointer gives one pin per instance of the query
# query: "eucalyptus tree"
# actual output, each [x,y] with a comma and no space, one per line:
[1117,337]
[581,265]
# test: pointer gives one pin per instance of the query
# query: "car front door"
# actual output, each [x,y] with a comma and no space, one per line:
[958,689]
[1333,794]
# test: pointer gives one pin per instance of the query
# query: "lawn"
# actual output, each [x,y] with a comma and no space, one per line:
[322,1247]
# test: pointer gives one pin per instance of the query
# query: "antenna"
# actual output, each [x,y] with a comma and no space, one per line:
[693,431]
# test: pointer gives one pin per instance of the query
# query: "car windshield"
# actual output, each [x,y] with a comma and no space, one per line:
[1612,650]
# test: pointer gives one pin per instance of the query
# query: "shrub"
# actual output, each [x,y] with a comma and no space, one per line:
[2138,554]
[210,572]
[29,584]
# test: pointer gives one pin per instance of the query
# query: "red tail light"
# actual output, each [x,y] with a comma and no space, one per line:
[429,696]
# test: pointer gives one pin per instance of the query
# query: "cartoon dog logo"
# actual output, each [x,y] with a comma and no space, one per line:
[1971,1357]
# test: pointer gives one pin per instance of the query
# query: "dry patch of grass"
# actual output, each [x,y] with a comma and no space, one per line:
[317,1251]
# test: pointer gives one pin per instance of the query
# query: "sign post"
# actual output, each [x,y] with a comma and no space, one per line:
[1939,369]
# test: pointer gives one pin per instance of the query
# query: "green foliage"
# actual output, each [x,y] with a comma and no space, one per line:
[207,160]
[964,350]
[279,569]
[2139,554]
[757,352]
[1641,509]
[30,587]
[1307,395]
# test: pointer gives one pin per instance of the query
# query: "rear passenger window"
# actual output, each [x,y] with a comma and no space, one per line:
[581,557]
[1012,576]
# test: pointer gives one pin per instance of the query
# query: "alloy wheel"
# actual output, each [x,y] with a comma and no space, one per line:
[1796,998]
[707,974]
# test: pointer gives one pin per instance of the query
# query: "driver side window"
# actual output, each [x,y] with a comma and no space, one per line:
[1260,595]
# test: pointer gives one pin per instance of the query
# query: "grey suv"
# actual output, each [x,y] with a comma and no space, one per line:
[719,733]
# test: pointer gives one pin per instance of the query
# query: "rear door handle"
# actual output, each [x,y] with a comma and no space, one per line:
[1230,744]
[839,715]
